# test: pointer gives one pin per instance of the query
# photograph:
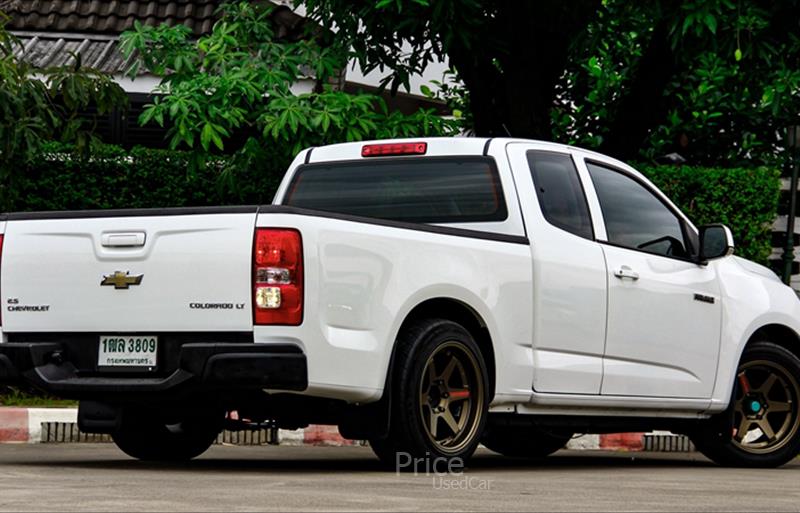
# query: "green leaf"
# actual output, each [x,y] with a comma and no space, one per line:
[215,137]
[686,24]
[206,136]
[146,115]
[711,23]
[594,67]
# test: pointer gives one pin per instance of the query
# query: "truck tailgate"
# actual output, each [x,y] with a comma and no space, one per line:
[142,273]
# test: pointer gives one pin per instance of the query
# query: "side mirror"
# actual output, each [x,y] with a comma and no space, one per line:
[716,241]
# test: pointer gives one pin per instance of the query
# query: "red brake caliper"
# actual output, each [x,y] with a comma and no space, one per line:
[461,394]
[745,384]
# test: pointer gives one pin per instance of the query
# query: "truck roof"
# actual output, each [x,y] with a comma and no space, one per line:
[441,146]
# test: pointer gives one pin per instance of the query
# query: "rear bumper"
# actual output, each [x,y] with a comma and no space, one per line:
[200,367]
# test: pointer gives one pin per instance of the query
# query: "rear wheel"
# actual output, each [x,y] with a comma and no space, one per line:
[440,397]
[146,435]
[523,441]
[761,427]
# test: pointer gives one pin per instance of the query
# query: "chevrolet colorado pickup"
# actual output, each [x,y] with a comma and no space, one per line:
[426,295]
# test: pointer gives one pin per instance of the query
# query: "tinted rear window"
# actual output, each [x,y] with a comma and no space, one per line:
[423,190]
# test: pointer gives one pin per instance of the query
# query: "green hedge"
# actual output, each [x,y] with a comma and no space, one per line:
[112,177]
[744,199]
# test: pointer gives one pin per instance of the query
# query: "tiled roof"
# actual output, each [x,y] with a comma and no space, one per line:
[46,50]
[100,52]
[52,31]
[108,16]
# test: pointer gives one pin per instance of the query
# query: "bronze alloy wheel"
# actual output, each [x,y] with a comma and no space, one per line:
[766,416]
[450,391]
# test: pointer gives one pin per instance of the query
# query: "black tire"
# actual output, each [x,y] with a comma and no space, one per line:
[145,435]
[523,441]
[761,427]
[437,366]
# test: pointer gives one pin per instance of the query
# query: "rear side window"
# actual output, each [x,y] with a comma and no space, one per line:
[560,192]
[421,190]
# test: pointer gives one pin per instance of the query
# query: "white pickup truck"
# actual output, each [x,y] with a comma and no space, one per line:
[426,295]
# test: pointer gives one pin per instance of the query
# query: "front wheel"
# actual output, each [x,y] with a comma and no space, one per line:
[761,427]
[439,397]
[148,436]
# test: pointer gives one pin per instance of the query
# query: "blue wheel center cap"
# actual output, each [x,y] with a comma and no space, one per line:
[755,406]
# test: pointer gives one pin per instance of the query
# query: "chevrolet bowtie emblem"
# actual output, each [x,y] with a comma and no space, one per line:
[121,280]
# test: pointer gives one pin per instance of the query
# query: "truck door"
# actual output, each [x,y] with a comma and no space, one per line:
[569,272]
[664,311]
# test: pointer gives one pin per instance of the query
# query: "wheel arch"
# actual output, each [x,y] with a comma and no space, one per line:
[373,420]
[461,313]
[778,334]
[776,329]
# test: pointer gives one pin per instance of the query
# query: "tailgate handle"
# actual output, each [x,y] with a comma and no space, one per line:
[126,239]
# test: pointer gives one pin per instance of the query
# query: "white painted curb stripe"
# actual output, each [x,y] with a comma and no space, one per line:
[38,415]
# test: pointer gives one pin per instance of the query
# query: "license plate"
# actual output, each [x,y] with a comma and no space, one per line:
[127,351]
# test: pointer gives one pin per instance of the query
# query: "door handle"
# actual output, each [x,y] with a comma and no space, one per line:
[123,239]
[626,272]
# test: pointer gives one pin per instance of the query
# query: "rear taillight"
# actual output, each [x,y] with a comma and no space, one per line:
[277,277]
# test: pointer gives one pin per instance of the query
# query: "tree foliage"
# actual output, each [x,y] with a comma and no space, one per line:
[718,81]
[59,177]
[745,199]
[239,84]
[715,80]
[510,55]
[37,105]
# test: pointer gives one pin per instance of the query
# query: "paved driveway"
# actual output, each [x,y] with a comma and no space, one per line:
[98,478]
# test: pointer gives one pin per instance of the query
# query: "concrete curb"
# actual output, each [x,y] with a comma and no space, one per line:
[25,425]
[39,416]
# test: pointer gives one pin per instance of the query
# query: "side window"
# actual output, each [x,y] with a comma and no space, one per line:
[560,193]
[634,216]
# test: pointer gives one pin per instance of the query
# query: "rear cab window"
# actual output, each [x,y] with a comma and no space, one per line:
[437,190]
